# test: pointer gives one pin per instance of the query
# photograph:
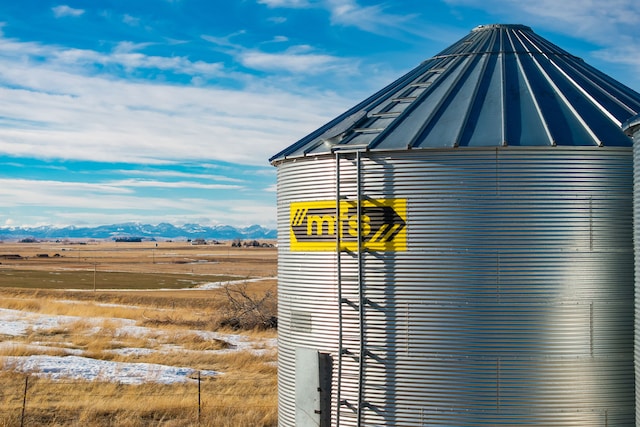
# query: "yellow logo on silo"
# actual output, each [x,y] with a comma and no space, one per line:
[383,226]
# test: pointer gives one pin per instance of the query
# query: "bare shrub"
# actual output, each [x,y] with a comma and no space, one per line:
[246,310]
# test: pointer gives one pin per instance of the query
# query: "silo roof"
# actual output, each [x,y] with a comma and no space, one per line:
[501,85]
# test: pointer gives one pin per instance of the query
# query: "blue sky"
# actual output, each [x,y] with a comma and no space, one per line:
[168,110]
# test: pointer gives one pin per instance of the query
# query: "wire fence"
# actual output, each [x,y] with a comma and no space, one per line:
[29,400]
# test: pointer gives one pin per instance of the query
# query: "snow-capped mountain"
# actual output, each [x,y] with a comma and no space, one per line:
[146,231]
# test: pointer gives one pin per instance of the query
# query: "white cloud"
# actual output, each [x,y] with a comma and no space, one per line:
[25,192]
[300,59]
[83,61]
[277,19]
[628,54]
[297,59]
[130,20]
[350,13]
[64,10]
[177,174]
[111,204]
[143,183]
[57,110]
[367,18]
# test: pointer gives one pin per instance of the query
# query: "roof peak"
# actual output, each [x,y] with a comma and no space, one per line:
[497,26]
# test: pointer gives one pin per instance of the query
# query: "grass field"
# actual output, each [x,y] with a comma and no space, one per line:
[108,299]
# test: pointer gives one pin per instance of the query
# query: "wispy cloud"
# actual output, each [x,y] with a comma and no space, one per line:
[367,18]
[117,203]
[144,183]
[296,59]
[130,20]
[19,192]
[177,174]
[64,10]
[63,108]
[349,13]
[277,19]
[125,56]
[628,54]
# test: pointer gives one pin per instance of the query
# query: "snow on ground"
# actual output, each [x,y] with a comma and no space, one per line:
[84,368]
[17,323]
[215,285]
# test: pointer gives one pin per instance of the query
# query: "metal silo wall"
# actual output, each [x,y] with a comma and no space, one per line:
[512,304]
[636,234]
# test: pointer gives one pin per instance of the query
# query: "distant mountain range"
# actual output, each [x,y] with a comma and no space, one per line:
[136,230]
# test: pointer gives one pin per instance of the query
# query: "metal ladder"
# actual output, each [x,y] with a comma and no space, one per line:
[397,107]
[354,307]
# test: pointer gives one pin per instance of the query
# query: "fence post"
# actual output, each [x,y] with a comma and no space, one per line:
[24,399]
[199,397]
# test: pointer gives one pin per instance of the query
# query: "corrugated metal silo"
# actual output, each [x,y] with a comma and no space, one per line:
[456,249]
[632,128]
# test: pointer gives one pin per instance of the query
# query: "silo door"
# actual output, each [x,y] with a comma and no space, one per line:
[313,388]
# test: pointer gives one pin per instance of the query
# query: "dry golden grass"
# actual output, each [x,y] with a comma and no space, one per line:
[77,403]
[173,321]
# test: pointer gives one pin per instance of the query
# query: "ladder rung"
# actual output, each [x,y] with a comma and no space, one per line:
[386,114]
[368,130]
[405,99]
[349,302]
[348,405]
[420,84]
[347,352]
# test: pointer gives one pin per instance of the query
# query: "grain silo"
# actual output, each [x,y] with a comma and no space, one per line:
[456,250]
[632,128]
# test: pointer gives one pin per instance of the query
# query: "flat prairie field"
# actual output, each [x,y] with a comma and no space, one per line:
[105,333]
[117,265]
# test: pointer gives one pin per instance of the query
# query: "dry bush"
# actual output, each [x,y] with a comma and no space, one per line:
[249,310]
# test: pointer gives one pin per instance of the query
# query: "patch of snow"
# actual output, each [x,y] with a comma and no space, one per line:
[18,322]
[84,368]
[74,366]
[215,285]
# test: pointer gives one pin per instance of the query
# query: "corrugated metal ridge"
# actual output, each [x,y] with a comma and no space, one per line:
[499,85]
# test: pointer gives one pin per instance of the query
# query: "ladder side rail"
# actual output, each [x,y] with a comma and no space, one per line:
[339,284]
[361,298]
